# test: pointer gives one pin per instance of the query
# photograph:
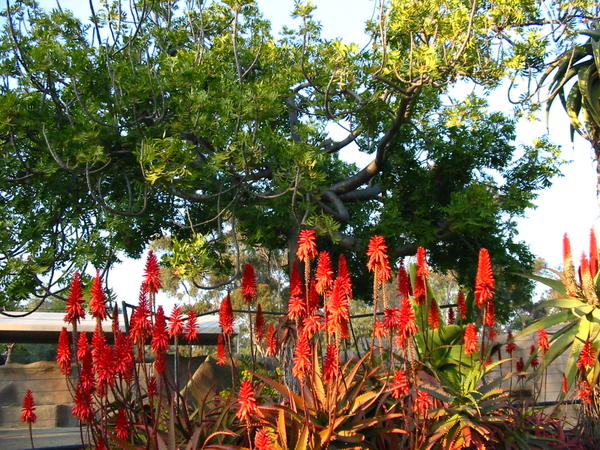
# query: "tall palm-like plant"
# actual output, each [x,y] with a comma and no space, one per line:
[581,99]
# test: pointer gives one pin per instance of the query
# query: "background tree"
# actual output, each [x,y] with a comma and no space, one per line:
[190,120]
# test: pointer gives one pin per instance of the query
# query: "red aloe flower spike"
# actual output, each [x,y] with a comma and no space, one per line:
[122,425]
[378,258]
[151,388]
[97,298]
[424,401]
[27,411]
[451,318]
[314,302]
[520,365]
[272,344]
[344,276]
[379,329]
[259,323]
[263,440]
[331,365]
[409,325]
[337,308]
[247,403]
[152,274]
[63,352]
[160,363]
[105,369]
[585,392]
[534,361]
[400,385]
[296,308]
[587,357]
[470,339]
[461,305]
[83,408]
[124,359]
[433,319]
[422,268]
[420,290]
[307,245]
[302,356]
[568,268]
[324,273]
[593,254]
[160,335]
[311,325]
[393,318]
[296,288]
[86,376]
[404,287]
[565,384]
[542,340]
[226,316]
[191,327]
[74,309]
[248,284]
[82,346]
[587,283]
[221,352]
[510,344]
[176,322]
[484,281]
[490,314]
[98,344]
[141,326]
[115,319]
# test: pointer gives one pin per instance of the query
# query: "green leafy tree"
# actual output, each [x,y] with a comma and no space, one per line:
[190,120]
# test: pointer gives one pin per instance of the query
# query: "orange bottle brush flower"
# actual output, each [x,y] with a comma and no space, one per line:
[307,245]
[97,298]
[484,281]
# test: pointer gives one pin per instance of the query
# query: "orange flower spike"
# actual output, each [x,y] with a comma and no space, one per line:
[74,309]
[587,283]
[226,316]
[221,352]
[324,273]
[568,268]
[302,356]
[272,343]
[191,327]
[263,440]
[490,315]
[484,281]
[63,352]
[122,425]
[422,268]
[433,319]
[160,334]
[409,325]
[152,274]
[378,258]
[593,254]
[585,392]
[542,340]
[424,401]
[461,305]
[470,339]
[587,357]
[27,411]
[247,409]
[451,317]
[248,284]
[176,322]
[331,365]
[97,298]
[400,385]
[259,323]
[307,245]
[404,287]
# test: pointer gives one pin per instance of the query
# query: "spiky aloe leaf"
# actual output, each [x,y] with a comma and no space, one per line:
[553,283]
[547,322]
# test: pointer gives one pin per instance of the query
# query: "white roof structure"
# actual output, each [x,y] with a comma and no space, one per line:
[44,327]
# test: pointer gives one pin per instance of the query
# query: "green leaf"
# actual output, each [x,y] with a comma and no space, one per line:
[547,322]
[555,284]
[561,303]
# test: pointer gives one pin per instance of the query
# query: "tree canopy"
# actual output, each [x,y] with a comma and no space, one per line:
[191,120]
